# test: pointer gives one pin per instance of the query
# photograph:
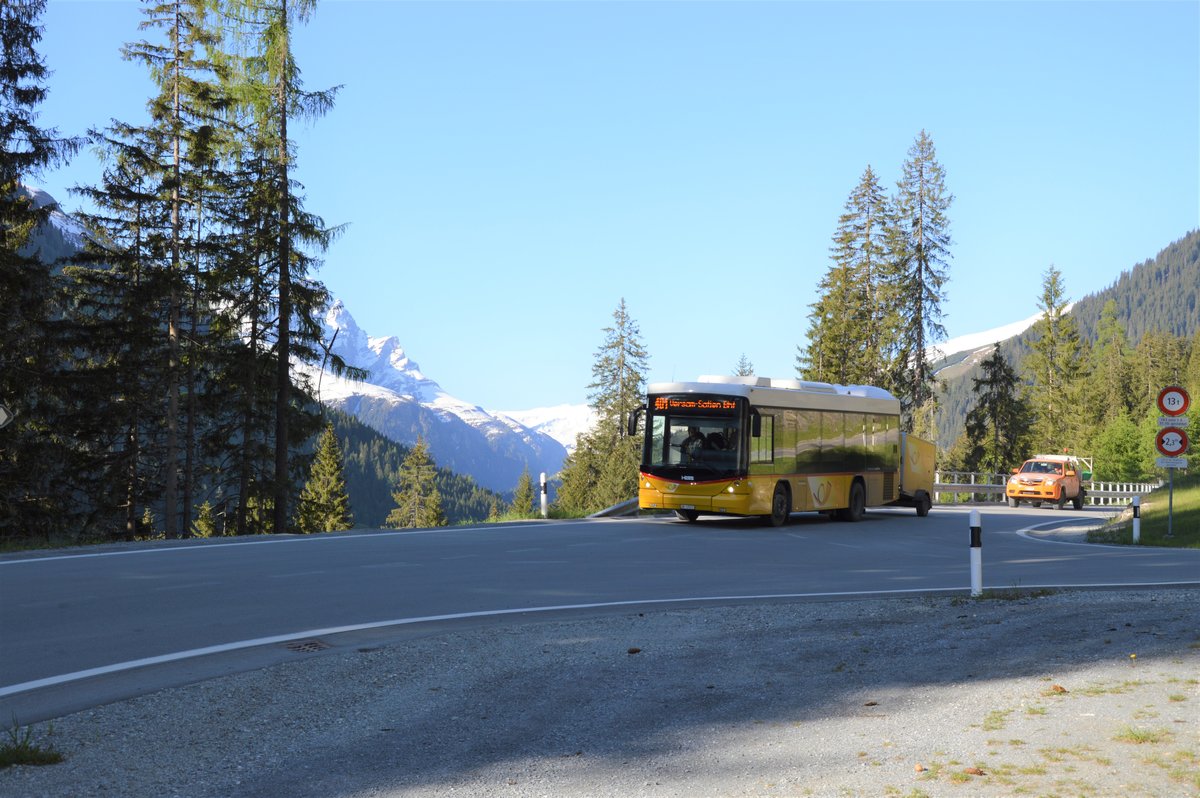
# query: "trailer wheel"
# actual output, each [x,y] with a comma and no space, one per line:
[924,503]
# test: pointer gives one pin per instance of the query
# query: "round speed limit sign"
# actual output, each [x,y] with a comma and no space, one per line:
[1173,401]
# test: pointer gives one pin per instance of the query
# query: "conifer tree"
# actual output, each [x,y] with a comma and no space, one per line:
[522,503]
[832,354]
[34,454]
[603,469]
[618,372]
[1054,369]
[418,502]
[324,503]
[997,425]
[182,117]
[1108,392]
[278,97]
[851,330]
[920,245]
[743,368]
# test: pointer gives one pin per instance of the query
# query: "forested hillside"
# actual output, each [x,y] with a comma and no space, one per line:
[1155,303]
[371,466]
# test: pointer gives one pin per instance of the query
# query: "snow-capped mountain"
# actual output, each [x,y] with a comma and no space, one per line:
[564,423]
[956,355]
[61,238]
[402,403]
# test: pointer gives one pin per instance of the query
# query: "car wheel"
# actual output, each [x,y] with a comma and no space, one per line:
[1013,501]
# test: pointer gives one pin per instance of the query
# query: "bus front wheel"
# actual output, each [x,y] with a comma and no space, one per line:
[781,505]
[687,515]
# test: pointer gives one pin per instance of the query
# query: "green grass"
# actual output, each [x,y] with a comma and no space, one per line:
[22,750]
[1143,736]
[1185,518]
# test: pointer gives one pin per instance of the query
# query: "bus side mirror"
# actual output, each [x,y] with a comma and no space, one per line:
[631,427]
[755,424]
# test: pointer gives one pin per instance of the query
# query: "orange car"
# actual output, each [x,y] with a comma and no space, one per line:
[1050,478]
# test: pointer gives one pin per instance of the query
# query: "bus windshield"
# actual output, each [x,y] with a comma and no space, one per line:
[697,436]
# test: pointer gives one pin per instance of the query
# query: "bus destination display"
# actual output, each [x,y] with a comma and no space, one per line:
[692,404]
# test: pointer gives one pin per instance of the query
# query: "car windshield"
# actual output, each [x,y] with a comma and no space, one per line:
[1041,467]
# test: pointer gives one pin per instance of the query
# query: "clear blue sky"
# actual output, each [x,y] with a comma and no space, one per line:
[510,170]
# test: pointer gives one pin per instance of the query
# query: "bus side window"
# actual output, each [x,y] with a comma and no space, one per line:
[762,448]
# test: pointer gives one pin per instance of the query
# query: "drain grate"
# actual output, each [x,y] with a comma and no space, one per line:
[307,646]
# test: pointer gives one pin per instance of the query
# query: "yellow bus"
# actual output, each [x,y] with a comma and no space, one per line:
[755,446]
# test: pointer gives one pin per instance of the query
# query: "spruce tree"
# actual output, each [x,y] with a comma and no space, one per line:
[920,247]
[266,80]
[1054,368]
[522,503]
[851,326]
[997,426]
[324,503]
[418,501]
[1108,391]
[833,351]
[743,368]
[603,469]
[618,372]
[35,458]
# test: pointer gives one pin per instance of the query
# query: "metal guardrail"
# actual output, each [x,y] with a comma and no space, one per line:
[990,487]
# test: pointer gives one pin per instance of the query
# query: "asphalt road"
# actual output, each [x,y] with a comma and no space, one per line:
[81,629]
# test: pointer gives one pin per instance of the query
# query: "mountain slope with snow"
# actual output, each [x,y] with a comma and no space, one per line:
[398,400]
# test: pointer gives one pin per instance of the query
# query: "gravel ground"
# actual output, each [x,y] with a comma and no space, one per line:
[1068,694]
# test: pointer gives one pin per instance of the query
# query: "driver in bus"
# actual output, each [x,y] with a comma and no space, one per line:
[692,444]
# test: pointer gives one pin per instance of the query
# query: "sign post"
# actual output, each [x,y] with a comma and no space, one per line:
[1172,441]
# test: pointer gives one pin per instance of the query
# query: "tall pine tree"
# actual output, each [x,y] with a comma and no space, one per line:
[920,244]
[997,426]
[602,471]
[36,453]
[1054,369]
[852,325]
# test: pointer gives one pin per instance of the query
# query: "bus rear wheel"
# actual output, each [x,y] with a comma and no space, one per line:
[781,505]
[858,504]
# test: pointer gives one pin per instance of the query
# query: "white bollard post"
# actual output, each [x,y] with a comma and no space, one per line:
[976,555]
[545,509]
[1137,519]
